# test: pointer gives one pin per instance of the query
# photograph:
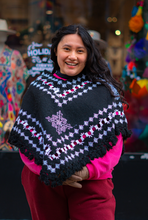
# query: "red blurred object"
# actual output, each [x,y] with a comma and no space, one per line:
[131,64]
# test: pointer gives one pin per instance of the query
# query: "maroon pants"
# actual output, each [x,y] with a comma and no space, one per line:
[94,201]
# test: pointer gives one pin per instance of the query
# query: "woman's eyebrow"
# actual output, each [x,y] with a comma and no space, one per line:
[67,45]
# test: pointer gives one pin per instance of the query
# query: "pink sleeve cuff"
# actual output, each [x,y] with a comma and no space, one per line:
[91,170]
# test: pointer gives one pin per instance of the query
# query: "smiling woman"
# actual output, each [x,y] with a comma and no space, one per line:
[70,132]
[71,55]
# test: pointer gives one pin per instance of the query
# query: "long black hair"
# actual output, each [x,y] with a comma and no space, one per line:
[96,68]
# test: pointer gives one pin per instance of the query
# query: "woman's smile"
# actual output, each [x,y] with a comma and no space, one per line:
[71,64]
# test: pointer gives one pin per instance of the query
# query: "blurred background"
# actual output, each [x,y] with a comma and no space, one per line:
[26,30]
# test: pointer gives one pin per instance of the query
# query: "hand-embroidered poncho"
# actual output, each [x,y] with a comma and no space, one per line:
[65,124]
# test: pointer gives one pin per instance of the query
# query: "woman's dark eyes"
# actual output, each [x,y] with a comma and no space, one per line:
[66,48]
[79,51]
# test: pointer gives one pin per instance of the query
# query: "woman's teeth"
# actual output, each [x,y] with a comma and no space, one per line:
[71,64]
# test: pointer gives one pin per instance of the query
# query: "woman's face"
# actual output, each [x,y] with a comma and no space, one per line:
[71,55]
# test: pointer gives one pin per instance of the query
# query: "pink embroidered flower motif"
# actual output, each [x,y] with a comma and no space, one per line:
[59,122]
[3,60]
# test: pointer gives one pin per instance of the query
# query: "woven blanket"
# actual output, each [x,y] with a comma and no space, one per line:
[65,124]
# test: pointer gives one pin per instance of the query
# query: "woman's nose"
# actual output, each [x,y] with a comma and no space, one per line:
[72,55]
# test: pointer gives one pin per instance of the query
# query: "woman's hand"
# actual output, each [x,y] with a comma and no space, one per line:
[77,177]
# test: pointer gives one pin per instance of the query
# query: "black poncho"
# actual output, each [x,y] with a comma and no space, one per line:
[65,124]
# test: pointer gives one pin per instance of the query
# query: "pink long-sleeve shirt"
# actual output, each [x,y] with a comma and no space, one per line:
[99,168]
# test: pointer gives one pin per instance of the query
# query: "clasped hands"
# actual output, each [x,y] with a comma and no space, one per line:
[77,177]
